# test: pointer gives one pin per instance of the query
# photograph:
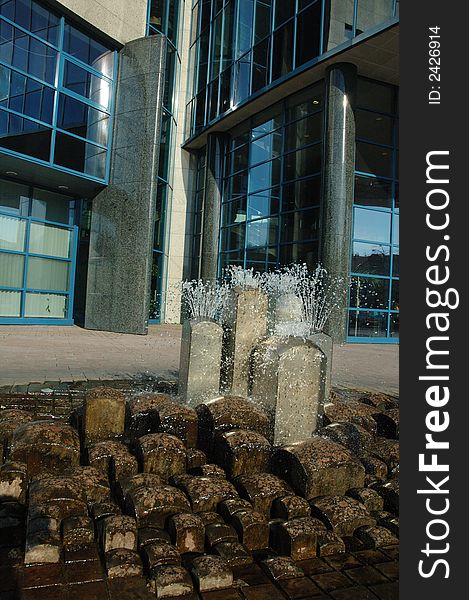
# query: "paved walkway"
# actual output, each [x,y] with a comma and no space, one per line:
[38,354]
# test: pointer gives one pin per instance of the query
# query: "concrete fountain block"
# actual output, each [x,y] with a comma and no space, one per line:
[152,506]
[47,446]
[103,415]
[290,507]
[159,554]
[119,532]
[341,514]
[123,563]
[205,493]
[242,452]
[187,532]
[325,344]
[227,413]
[200,361]
[171,581]
[162,454]
[261,490]
[112,458]
[318,467]
[245,325]
[42,546]
[95,484]
[288,383]
[143,413]
[13,482]
[211,573]
[77,532]
[252,529]
[297,538]
[11,419]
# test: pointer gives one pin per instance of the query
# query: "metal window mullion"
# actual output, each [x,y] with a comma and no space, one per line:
[85,66]
[26,117]
[65,91]
[58,80]
[78,137]
[26,74]
[27,32]
[355,18]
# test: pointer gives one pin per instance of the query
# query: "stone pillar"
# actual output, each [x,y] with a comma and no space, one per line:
[288,382]
[339,161]
[246,324]
[212,206]
[122,223]
[200,361]
[324,343]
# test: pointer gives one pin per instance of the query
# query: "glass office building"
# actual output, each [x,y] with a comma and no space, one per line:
[138,148]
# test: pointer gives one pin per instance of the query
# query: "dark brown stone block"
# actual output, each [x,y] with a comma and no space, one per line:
[329,543]
[10,420]
[42,546]
[366,575]
[180,421]
[342,514]
[119,532]
[368,497]
[242,452]
[314,566]
[297,538]
[48,447]
[375,468]
[162,454]
[143,413]
[77,531]
[390,494]
[171,581]
[216,533]
[301,587]
[234,553]
[252,529]
[282,567]
[78,555]
[205,493]
[160,554]
[290,507]
[353,593]
[332,581]
[319,467]
[376,537]
[95,484]
[134,482]
[386,591]
[151,506]
[151,535]
[56,592]
[195,458]
[343,561]
[113,459]
[351,411]
[267,591]
[388,423]
[209,470]
[131,588]
[387,451]
[122,562]
[41,576]
[208,517]
[187,532]
[13,482]
[211,573]
[96,590]
[103,415]
[354,437]
[83,572]
[261,490]
[229,507]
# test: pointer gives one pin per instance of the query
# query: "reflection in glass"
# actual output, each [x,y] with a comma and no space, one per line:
[308,34]
[12,232]
[370,258]
[374,159]
[263,204]
[369,292]
[264,176]
[49,240]
[282,57]
[374,127]
[365,323]
[373,192]
[266,148]
[303,162]
[48,206]
[262,232]
[372,225]
[300,225]
[300,253]
[14,198]
[302,193]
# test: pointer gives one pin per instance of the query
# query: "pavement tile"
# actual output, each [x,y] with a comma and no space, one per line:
[332,581]
[366,575]
[302,587]
[386,591]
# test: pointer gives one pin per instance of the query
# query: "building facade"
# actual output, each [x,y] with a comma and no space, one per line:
[144,143]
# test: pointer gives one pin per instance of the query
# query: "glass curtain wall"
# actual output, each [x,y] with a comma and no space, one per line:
[56,90]
[37,254]
[239,47]
[163,18]
[271,197]
[198,216]
[374,289]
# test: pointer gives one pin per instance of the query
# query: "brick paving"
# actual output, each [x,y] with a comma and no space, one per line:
[71,354]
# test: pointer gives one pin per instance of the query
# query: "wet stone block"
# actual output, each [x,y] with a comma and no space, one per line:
[57,497]
[227,413]
[242,452]
[159,554]
[103,415]
[376,536]
[10,420]
[370,498]
[216,533]
[391,523]
[162,454]
[187,532]
[43,545]
[171,581]
[234,553]
[380,402]
[180,421]
[351,411]
[95,484]
[143,413]
[390,494]
[205,493]
[388,423]
[77,531]
[252,529]
[341,514]
[122,562]
[229,507]
[281,568]
[119,532]
[297,538]
[208,517]
[375,468]
[354,437]
[152,506]
[387,451]
[13,482]
[100,510]
[134,482]
[46,447]
[209,470]
[113,459]
[151,535]
[329,543]
[211,573]
[195,458]
[290,507]
[261,490]
[318,467]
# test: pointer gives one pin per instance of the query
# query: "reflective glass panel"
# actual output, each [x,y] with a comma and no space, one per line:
[372,225]
[373,192]
[48,274]
[49,240]
[371,258]
[369,292]
[364,323]
[10,303]
[11,270]
[48,206]
[374,127]
[374,159]
[12,233]
[52,306]
[81,46]
[14,198]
